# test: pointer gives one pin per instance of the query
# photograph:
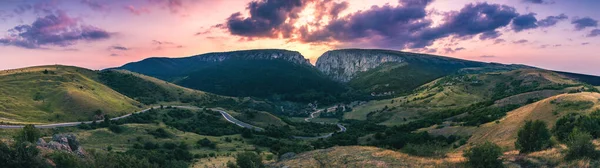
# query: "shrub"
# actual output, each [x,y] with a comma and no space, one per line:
[116,128]
[249,160]
[534,136]
[580,146]
[160,133]
[484,156]
[425,149]
[29,133]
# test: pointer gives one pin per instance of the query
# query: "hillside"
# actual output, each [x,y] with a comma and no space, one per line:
[500,89]
[274,74]
[359,156]
[548,110]
[386,72]
[49,94]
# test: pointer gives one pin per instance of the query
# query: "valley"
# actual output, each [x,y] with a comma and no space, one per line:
[368,108]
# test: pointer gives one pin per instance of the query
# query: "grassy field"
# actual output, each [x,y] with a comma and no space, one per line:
[48,94]
[259,118]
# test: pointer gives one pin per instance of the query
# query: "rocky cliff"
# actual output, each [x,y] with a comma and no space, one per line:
[266,54]
[343,65]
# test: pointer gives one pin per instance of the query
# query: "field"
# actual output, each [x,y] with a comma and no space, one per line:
[50,94]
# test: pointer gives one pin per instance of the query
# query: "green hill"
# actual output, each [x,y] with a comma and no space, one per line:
[274,74]
[48,94]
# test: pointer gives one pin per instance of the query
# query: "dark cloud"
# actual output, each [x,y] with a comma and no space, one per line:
[56,29]
[114,55]
[594,33]
[582,23]
[522,41]
[524,22]
[487,56]
[586,43]
[490,35]
[267,18]
[551,20]
[96,5]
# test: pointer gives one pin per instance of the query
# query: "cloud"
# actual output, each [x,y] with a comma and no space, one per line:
[586,43]
[114,55]
[175,6]
[267,18]
[22,8]
[136,11]
[56,29]
[159,45]
[498,41]
[524,22]
[118,47]
[490,35]
[594,33]
[582,23]
[538,1]
[522,41]
[552,20]
[450,50]
[95,5]
[488,56]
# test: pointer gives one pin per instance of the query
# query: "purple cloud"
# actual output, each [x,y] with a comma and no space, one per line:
[582,23]
[552,20]
[522,41]
[450,50]
[524,22]
[498,41]
[174,6]
[538,1]
[52,30]
[594,33]
[96,5]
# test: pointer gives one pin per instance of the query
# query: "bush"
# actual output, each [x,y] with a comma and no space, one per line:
[116,128]
[534,136]
[484,156]
[580,146]
[426,149]
[206,143]
[249,160]
[160,133]
[29,133]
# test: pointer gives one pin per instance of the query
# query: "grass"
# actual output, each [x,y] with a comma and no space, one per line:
[260,119]
[49,94]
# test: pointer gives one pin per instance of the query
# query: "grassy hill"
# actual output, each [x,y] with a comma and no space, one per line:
[48,94]
[548,110]
[517,87]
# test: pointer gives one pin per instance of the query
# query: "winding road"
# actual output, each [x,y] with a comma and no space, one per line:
[225,115]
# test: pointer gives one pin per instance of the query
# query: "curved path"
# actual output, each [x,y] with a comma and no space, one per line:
[225,115]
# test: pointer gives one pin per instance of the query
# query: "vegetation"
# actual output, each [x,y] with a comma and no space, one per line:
[580,146]
[534,136]
[249,160]
[28,134]
[486,155]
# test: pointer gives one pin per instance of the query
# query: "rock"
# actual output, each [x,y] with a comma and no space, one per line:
[63,142]
[288,155]
[343,65]
[41,142]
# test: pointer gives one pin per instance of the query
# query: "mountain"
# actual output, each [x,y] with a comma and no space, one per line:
[275,74]
[386,72]
[58,93]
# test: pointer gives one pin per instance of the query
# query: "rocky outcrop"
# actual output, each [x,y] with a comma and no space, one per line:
[267,54]
[343,65]
[62,142]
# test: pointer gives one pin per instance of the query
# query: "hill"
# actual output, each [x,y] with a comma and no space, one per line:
[360,156]
[493,89]
[47,94]
[386,72]
[274,74]
[548,110]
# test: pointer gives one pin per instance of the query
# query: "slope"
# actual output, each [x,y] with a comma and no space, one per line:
[58,93]
[548,110]
[494,89]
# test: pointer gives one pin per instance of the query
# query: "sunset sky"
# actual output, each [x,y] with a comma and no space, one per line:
[552,34]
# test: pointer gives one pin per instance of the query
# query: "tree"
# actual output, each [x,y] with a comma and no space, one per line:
[580,146]
[534,136]
[29,133]
[484,156]
[249,160]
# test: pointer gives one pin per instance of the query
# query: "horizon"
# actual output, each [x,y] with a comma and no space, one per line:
[548,34]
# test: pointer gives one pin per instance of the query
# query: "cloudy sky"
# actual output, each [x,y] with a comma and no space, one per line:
[553,34]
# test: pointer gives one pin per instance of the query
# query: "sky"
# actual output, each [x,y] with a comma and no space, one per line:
[552,34]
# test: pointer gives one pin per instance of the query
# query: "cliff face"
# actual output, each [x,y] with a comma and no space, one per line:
[272,54]
[343,65]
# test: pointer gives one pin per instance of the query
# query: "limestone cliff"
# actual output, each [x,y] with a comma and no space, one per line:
[343,65]
[267,54]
